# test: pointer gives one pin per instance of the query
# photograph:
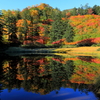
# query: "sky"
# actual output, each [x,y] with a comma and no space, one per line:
[60,4]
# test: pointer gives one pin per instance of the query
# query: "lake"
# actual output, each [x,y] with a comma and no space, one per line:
[49,77]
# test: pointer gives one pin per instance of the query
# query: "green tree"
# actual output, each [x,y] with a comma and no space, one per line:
[96,10]
[46,30]
[18,14]
[26,14]
[1,33]
[10,23]
[68,34]
[74,11]
[83,10]
[56,31]
[58,28]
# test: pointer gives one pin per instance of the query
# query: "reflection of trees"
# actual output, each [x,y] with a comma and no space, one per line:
[96,88]
[42,75]
[90,59]
[10,72]
[53,78]
[61,73]
[36,74]
[1,72]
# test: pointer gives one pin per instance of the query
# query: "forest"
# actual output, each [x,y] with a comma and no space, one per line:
[45,26]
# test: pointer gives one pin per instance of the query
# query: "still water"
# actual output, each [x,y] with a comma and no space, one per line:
[49,77]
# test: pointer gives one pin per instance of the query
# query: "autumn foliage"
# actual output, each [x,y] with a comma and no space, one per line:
[34,39]
[44,21]
[85,26]
[59,41]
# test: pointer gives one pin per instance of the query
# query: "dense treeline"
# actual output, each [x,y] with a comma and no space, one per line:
[44,25]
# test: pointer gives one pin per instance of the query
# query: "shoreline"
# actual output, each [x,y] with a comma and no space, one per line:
[81,50]
[56,51]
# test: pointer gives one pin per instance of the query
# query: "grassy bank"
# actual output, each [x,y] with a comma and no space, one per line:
[80,51]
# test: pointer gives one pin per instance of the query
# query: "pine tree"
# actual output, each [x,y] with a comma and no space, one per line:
[56,31]
[10,23]
[68,34]
[96,10]
[74,11]
[1,33]
[58,27]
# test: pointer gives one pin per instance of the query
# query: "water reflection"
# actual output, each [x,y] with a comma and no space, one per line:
[44,74]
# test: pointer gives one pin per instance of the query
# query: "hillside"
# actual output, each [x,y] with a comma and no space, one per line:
[42,25]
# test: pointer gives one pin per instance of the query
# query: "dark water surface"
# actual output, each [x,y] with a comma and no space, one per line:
[49,77]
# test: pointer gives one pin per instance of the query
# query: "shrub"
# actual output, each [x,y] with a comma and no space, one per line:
[98,49]
[94,45]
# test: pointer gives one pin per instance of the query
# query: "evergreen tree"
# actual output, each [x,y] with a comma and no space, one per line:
[1,29]
[68,34]
[81,11]
[1,33]
[56,31]
[46,30]
[58,28]
[96,10]
[10,22]
[61,29]
[74,11]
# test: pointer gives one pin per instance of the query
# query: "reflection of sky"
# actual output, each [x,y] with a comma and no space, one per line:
[63,94]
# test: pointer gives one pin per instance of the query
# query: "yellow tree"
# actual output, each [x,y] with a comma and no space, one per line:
[23,28]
